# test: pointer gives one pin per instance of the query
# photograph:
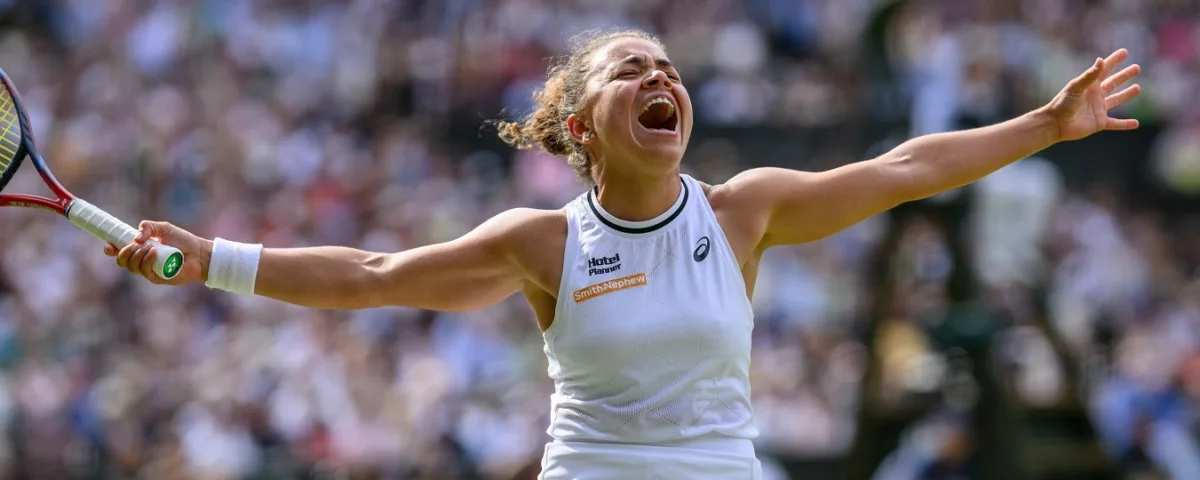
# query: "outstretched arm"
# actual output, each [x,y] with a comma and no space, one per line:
[470,272]
[802,207]
[474,271]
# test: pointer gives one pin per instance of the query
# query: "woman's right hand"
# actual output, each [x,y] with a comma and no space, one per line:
[138,257]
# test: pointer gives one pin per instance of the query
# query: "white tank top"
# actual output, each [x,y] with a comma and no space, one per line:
[651,335]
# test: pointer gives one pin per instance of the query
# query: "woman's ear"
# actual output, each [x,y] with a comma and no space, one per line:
[579,129]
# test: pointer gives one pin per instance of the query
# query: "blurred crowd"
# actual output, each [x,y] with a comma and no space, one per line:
[307,122]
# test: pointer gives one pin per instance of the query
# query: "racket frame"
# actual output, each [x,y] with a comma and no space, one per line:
[89,218]
[59,205]
[20,200]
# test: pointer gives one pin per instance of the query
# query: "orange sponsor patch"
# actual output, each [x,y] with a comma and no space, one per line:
[592,291]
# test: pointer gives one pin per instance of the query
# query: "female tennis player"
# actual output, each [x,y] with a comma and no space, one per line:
[641,285]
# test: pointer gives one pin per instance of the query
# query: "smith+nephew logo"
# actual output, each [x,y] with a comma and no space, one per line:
[603,265]
[615,285]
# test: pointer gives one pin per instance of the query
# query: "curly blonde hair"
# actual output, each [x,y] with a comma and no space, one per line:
[561,96]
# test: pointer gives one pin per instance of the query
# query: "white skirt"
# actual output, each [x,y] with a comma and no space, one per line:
[698,459]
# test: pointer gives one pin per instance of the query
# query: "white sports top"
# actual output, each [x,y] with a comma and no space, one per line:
[651,335]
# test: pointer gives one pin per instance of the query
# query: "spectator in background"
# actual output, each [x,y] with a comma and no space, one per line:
[334,121]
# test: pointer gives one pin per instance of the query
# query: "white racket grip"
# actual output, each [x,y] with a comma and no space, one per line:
[106,227]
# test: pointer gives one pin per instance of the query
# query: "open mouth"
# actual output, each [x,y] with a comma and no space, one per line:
[659,115]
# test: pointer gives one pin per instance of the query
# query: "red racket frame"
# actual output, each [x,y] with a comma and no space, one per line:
[27,147]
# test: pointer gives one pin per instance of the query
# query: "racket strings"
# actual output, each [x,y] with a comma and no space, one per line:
[10,130]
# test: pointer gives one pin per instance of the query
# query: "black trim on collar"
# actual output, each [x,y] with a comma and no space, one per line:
[619,228]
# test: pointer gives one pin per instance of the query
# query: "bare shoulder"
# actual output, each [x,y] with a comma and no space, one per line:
[535,240]
[517,229]
[742,222]
[755,187]
[524,223]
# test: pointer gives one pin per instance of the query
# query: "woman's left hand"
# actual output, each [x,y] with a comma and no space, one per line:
[1081,108]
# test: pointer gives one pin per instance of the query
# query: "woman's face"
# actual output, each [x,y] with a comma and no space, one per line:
[639,115]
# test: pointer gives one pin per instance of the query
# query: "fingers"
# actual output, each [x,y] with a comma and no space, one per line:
[1117,99]
[1081,83]
[1120,124]
[148,229]
[138,258]
[1115,59]
[147,267]
[1120,78]
[124,255]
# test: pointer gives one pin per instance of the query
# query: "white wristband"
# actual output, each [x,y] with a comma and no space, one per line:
[233,266]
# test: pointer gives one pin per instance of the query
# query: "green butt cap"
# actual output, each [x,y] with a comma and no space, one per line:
[172,265]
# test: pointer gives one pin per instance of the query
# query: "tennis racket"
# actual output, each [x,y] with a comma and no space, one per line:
[16,142]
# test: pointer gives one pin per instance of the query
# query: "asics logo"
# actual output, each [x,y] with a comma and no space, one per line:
[701,251]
